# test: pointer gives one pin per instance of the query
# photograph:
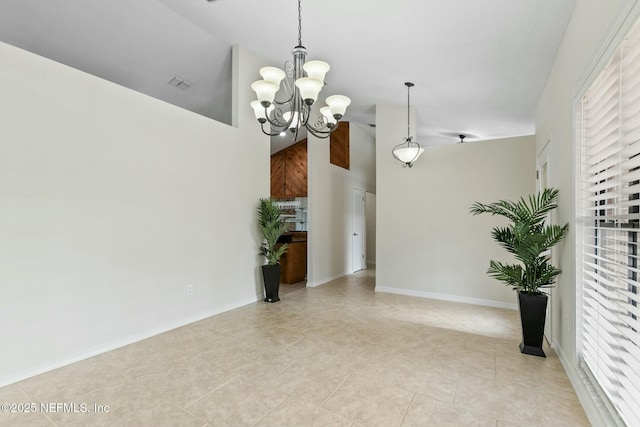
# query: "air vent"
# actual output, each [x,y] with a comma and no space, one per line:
[179,83]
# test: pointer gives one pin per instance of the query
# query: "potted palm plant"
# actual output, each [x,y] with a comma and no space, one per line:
[271,226]
[529,239]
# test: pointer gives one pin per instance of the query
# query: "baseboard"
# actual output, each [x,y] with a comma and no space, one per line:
[325,280]
[446,297]
[593,406]
[19,376]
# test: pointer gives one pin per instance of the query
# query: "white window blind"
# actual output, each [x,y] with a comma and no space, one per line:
[609,223]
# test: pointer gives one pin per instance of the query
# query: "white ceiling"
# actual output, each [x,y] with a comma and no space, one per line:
[478,65]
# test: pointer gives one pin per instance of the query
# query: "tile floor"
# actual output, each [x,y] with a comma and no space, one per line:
[335,355]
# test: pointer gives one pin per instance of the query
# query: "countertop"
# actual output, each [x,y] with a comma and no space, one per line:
[293,237]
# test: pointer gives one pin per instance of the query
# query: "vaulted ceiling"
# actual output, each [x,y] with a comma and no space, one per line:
[479,66]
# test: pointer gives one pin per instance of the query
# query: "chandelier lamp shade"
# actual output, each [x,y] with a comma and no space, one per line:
[409,150]
[298,86]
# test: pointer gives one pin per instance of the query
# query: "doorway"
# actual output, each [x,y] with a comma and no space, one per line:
[358,256]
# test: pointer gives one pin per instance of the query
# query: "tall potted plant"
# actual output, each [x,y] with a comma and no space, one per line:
[271,226]
[529,239]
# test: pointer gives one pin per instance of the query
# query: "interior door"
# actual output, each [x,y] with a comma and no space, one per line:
[358,248]
[542,182]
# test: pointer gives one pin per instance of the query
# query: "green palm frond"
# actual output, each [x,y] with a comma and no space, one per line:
[528,238]
[532,211]
[505,237]
[271,226]
[512,274]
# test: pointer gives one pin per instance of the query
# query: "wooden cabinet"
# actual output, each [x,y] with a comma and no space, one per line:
[277,176]
[294,262]
[289,171]
[339,146]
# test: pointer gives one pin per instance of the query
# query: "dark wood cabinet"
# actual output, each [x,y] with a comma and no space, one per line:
[296,170]
[277,176]
[294,262]
[289,171]
[339,146]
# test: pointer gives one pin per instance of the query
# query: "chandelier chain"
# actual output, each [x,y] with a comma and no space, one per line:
[299,23]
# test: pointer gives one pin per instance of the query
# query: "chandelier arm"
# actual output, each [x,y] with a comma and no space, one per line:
[277,124]
[320,133]
[294,104]
[268,133]
[288,101]
[320,127]
[304,114]
[393,153]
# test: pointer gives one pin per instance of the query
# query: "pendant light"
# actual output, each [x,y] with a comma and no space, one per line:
[408,151]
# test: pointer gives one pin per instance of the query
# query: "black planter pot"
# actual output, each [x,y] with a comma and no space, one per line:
[533,310]
[271,277]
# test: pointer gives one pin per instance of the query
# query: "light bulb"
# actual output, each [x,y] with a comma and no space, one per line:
[266,91]
[316,69]
[309,89]
[272,74]
[259,111]
[338,105]
[326,112]
[408,154]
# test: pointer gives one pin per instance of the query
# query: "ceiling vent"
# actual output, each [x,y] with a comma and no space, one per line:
[179,83]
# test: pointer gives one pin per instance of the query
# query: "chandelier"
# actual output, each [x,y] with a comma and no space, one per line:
[302,84]
[408,151]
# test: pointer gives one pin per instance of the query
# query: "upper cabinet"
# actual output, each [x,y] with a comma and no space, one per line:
[339,146]
[289,171]
[277,175]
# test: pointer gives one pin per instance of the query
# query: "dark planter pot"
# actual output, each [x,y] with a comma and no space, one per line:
[533,309]
[271,277]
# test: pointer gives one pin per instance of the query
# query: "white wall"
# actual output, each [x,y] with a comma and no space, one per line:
[111,203]
[427,243]
[588,29]
[330,225]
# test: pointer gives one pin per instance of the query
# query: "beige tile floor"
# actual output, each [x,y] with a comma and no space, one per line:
[335,355]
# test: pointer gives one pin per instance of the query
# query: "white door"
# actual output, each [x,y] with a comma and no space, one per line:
[542,182]
[357,255]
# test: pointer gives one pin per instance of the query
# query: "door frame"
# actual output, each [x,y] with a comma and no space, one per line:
[543,159]
[360,193]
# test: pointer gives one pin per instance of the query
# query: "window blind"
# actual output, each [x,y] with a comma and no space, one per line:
[609,223]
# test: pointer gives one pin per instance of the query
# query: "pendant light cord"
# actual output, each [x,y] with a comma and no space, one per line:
[408,110]
[408,85]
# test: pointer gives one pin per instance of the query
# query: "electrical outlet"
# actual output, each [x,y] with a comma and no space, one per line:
[189,290]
